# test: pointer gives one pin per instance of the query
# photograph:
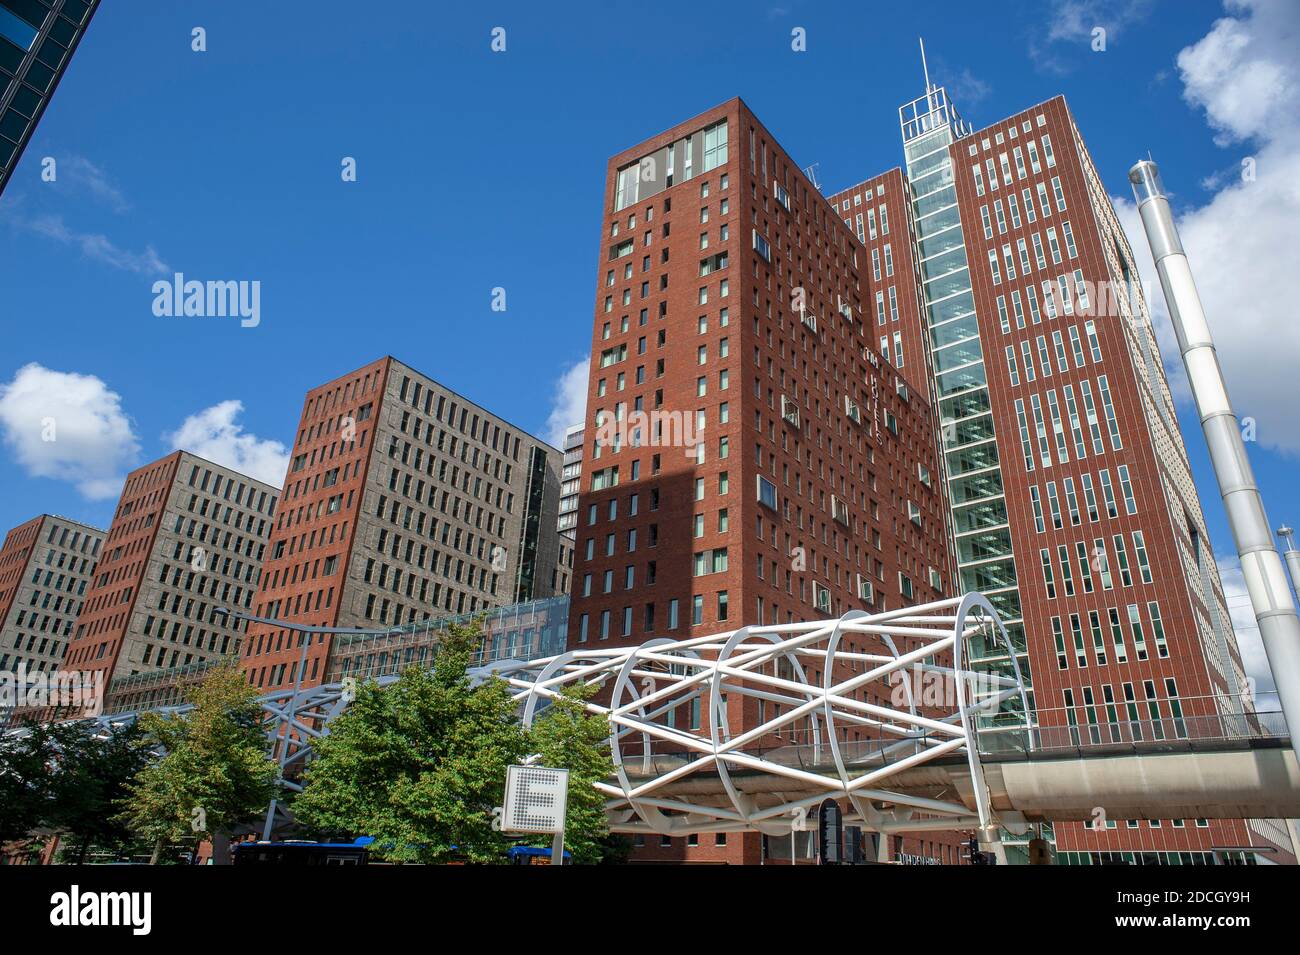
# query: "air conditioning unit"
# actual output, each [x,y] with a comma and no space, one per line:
[852,410]
[790,410]
[821,598]
[866,589]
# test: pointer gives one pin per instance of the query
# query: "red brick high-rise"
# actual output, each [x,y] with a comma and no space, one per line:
[46,565]
[404,502]
[750,456]
[1073,505]
[993,278]
[186,542]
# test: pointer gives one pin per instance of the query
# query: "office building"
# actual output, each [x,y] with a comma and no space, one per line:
[37,41]
[1073,505]
[750,456]
[46,565]
[404,503]
[570,482]
[186,542]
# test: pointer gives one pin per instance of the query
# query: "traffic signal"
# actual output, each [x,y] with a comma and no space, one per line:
[976,857]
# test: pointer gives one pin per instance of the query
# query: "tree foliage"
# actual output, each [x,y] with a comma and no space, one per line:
[420,765]
[566,736]
[66,779]
[214,774]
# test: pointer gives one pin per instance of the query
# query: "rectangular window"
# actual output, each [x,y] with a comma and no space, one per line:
[1070,248]
[1103,388]
[1085,567]
[1135,626]
[1140,550]
[1025,445]
[1098,640]
[1049,581]
[1126,488]
[1158,631]
[1101,561]
[1117,636]
[1121,560]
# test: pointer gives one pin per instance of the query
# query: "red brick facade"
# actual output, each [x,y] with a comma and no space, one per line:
[796,398]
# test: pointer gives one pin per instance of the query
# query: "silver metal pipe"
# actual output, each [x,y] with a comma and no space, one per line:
[1266,581]
[1290,555]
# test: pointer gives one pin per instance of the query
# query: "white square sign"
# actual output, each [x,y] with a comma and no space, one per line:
[536,798]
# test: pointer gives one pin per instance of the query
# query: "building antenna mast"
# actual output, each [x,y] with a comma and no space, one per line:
[924,67]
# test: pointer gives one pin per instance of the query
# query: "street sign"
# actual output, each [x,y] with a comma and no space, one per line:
[536,797]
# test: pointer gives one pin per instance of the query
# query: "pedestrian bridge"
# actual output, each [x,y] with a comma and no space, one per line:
[747,730]
[835,709]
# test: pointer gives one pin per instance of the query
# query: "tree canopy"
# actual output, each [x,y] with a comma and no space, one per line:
[420,765]
[214,773]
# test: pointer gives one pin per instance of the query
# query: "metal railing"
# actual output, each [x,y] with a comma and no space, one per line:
[1133,725]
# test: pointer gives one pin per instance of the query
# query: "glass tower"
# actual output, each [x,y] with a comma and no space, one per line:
[37,40]
[982,536]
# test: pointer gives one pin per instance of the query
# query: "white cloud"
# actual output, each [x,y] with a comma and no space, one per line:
[1247,628]
[965,88]
[97,246]
[568,403]
[83,173]
[1072,22]
[68,427]
[1241,244]
[214,434]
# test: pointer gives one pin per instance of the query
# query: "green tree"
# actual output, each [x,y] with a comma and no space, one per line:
[214,774]
[420,765]
[89,777]
[566,736]
[26,790]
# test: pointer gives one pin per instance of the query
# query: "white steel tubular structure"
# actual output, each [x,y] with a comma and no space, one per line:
[1261,566]
[832,722]
[842,706]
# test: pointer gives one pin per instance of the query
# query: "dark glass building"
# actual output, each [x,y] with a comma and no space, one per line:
[37,40]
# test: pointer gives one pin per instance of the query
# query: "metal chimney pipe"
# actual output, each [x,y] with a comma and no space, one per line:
[1270,597]
[1291,555]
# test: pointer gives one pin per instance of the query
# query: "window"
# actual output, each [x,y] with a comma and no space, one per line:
[1140,549]
[715,146]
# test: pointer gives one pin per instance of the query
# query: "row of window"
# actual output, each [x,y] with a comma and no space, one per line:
[1043,454]
[1090,500]
[1137,720]
[1098,559]
[871,231]
[1098,630]
[1057,348]
[605,621]
[1004,164]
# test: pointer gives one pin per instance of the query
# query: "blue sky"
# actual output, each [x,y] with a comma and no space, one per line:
[479,170]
